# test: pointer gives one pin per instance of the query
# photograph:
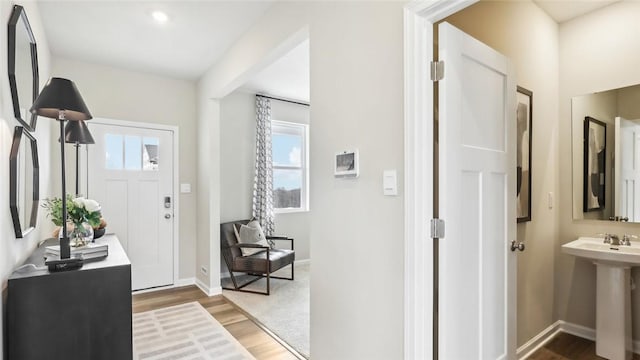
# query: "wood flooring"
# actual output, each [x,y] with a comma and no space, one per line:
[259,343]
[569,347]
[264,347]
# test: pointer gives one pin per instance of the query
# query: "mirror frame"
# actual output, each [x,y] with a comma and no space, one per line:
[18,135]
[18,14]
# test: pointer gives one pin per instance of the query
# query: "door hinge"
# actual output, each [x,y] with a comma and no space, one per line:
[437,228]
[437,70]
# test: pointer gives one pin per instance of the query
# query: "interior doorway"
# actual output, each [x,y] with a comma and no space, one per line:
[427,320]
[281,89]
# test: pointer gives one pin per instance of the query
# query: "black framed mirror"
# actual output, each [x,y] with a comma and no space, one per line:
[24,182]
[23,67]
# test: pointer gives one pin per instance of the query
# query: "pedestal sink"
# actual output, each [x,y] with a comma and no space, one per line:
[613,289]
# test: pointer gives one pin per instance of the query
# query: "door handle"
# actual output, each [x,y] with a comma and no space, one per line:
[167,216]
[517,246]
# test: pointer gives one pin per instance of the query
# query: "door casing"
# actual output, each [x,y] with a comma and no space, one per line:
[419,18]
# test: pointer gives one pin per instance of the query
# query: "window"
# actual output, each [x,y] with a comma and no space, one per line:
[290,166]
[131,152]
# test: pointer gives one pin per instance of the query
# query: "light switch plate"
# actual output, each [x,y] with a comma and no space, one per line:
[185,188]
[390,183]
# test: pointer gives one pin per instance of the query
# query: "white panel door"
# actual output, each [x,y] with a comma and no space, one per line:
[627,169]
[477,198]
[130,173]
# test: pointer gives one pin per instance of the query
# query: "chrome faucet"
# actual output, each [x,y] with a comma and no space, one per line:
[614,240]
[626,239]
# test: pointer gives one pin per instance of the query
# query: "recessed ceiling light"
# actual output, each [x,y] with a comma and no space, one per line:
[160,16]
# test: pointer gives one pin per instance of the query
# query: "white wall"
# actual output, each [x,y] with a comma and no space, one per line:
[356,92]
[529,38]
[14,251]
[237,164]
[126,95]
[598,52]
[238,155]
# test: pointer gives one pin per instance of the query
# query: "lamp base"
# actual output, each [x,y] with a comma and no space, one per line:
[56,264]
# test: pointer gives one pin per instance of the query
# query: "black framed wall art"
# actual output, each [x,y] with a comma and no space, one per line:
[595,149]
[524,117]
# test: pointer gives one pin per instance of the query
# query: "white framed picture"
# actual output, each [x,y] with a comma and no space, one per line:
[346,163]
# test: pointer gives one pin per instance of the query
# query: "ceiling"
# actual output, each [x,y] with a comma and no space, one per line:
[565,10]
[123,33]
[287,77]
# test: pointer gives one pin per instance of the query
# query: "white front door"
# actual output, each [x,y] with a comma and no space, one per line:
[627,169]
[477,198]
[130,173]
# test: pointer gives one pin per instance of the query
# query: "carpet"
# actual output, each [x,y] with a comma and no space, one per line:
[285,312]
[186,332]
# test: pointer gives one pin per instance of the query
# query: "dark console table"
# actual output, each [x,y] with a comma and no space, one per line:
[77,314]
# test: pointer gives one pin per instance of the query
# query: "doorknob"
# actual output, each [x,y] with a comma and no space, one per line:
[167,216]
[517,246]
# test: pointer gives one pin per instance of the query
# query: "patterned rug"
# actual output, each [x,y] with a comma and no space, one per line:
[186,332]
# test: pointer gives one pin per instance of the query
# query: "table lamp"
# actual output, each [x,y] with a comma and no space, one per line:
[77,133]
[61,100]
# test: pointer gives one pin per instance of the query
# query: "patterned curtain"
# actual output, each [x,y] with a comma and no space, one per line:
[263,181]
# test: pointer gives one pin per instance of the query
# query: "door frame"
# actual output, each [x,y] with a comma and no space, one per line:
[176,178]
[419,18]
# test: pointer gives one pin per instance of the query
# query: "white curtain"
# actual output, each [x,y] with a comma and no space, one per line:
[263,181]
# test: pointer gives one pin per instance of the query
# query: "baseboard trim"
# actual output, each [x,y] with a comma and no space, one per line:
[178,283]
[208,291]
[185,282]
[578,330]
[547,334]
[538,341]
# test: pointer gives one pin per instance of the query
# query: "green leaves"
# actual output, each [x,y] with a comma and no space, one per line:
[76,211]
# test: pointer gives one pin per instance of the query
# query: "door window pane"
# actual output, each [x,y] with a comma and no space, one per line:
[132,152]
[150,153]
[113,152]
[287,185]
[286,150]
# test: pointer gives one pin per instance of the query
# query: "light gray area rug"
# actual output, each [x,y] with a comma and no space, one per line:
[186,332]
[286,311]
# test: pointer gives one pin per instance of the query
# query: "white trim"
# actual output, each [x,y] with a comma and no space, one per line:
[577,330]
[589,333]
[134,124]
[559,326]
[419,17]
[538,341]
[208,291]
[289,210]
[178,284]
[185,282]
[175,134]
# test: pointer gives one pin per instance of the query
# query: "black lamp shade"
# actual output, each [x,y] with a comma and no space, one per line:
[77,132]
[60,95]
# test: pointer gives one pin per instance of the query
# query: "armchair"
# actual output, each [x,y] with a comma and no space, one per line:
[261,264]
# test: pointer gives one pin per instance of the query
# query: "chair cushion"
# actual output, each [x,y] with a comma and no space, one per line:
[250,234]
[257,262]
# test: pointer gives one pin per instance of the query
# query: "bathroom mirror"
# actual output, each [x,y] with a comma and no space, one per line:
[606,155]
[23,67]
[24,182]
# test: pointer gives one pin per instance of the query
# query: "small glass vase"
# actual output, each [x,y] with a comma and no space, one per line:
[79,234]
